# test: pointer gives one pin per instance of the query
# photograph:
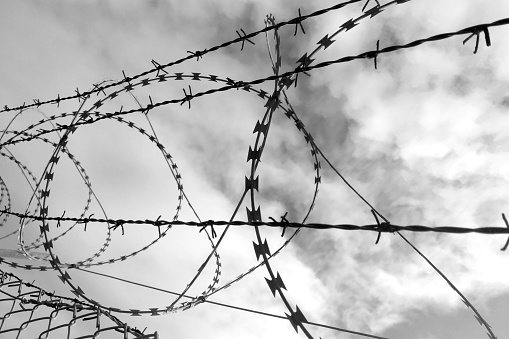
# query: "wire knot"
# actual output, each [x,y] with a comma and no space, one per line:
[158,67]
[86,221]
[243,38]
[197,54]
[211,224]
[158,224]
[60,219]
[476,32]
[283,221]
[99,89]
[384,226]
[376,54]
[81,96]
[118,223]
[187,97]
[298,23]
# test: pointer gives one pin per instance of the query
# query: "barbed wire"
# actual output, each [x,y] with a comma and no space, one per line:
[198,54]
[488,230]
[286,78]
[88,114]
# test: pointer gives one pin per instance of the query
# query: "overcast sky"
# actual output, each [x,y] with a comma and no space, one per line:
[422,138]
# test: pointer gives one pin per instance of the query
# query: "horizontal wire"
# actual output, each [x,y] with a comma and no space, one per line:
[387,228]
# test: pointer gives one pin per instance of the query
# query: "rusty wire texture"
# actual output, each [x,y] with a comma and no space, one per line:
[36,305]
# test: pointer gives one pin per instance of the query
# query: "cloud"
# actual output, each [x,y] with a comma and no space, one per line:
[422,138]
[405,137]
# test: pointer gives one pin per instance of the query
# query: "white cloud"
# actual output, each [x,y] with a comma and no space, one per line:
[422,138]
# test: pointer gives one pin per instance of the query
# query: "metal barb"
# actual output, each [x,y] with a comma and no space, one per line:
[211,224]
[507,242]
[284,221]
[197,54]
[244,38]
[187,97]
[58,221]
[100,89]
[158,67]
[86,221]
[476,32]
[299,23]
[376,55]
[118,223]
[156,223]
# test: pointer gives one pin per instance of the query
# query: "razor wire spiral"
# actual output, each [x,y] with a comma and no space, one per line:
[57,130]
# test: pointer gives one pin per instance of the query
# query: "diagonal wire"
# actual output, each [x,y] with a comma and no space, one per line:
[230,306]
[364,55]
[293,21]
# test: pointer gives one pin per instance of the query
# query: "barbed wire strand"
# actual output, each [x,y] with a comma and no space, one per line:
[296,317]
[293,21]
[369,54]
[488,230]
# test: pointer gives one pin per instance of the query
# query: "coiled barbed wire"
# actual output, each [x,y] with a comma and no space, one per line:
[277,99]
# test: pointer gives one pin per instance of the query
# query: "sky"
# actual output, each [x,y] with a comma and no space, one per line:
[421,138]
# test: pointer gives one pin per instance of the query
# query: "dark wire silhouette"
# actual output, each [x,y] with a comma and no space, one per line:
[274,101]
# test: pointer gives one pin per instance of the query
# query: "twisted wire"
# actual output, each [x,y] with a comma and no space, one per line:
[277,99]
[158,68]
[488,230]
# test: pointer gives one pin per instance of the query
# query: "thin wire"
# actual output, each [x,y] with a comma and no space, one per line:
[478,316]
[230,306]
[347,183]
